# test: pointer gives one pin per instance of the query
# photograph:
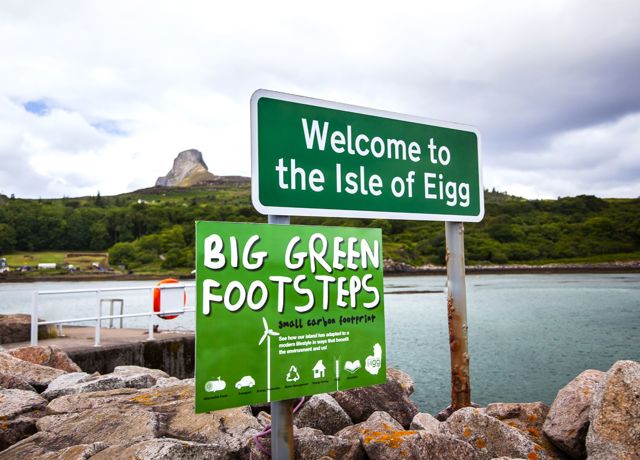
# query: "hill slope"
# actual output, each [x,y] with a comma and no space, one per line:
[155,227]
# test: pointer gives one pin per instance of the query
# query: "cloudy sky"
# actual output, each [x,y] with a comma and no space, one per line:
[102,95]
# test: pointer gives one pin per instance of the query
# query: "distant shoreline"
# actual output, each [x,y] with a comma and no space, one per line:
[606,267]
[392,269]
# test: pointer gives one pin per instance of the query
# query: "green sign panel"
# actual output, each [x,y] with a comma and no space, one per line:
[319,158]
[286,311]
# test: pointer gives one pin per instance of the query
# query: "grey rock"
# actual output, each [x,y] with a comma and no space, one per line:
[382,437]
[62,384]
[188,168]
[311,444]
[427,422]
[614,430]
[567,422]
[98,383]
[16,328]
[34,374]
[139,377]
[111,425]
[445,413]
[404,379]
[19,410]
[232,429]
[390,397]
[167,382]
[46,356]
[528,418]
[80,402]
[44,446]
[9,381]
[379,423]
[165,449]
[264,419]
[17,402]
[121,377]
[492,438]
[323,413]
[425,445]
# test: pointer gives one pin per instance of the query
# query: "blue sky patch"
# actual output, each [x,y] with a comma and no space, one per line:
[39,107]
[109,127]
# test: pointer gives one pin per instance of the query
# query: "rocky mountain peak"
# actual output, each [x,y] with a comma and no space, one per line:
[188,169]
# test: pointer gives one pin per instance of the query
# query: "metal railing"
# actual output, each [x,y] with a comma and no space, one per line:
[99,317]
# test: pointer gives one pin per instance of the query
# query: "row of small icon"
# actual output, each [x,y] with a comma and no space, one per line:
[293,375]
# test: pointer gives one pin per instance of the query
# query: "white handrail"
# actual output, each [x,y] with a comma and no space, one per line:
[99,317]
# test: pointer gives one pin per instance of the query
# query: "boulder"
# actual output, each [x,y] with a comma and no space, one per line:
[427,422]
[61,385]
[17,328]
[232,429]
[445,413]
[567,422]
[404,379]
[19,410]
[614,417]
[390,397]
[378,421]
[436,447]
[34,374]
[167,382]
[46,356]
[323,413]
[492,438]
[528,418]
[9,381]
[264,419]
[111,425]
[382,437]
[139,377]
[311,444]
[85,401]
[44,446]
[121,377]
[165,449]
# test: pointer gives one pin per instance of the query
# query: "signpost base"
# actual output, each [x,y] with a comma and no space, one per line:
[282,447]
[457,316]
[282,430]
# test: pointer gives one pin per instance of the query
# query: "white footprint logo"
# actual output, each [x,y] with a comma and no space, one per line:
[373,363]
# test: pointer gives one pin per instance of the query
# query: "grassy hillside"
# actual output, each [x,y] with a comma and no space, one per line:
[153,229]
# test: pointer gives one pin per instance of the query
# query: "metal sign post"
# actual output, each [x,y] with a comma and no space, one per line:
[457,316]
[282,446]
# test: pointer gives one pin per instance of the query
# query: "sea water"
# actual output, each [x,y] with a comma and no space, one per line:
[529,335]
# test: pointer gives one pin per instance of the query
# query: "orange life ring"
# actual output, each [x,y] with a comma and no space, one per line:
[156,298]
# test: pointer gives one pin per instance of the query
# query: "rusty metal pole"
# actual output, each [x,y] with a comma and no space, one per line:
[281,411]
[457,316]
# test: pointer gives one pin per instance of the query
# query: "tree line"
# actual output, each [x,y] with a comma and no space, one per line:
[157,227]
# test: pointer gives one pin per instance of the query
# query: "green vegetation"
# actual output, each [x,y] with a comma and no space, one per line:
[152,230]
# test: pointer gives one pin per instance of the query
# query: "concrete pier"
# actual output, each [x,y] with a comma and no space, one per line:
[171,351]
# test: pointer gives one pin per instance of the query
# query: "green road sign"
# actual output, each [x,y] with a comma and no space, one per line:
[319,158]
[286,311]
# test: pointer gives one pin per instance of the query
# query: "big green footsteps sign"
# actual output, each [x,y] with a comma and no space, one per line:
[285,311]
[319,158]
